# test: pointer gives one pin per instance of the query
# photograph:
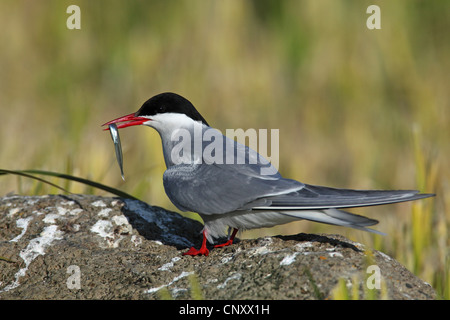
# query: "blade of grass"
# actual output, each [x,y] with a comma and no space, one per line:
[24,174]
[341,292]
[84,181]
[317,293]
[31,173]
[195,287]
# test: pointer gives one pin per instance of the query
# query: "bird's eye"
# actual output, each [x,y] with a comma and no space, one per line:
[161,109]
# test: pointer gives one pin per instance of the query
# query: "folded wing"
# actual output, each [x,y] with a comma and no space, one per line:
[317,197]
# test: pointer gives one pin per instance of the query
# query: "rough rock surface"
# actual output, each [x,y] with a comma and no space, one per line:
[90,247]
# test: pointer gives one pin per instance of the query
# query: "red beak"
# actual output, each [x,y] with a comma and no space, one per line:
[127,121]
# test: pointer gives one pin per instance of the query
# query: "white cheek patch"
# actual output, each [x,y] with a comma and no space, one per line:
[166,123]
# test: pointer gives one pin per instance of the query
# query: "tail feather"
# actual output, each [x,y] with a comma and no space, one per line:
[324,204]
[317,197]
[336,217]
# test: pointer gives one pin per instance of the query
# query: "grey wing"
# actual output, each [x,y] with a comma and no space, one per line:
[222,188]
[318,198]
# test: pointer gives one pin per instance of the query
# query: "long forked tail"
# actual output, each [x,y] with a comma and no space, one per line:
[317,197]
[335,217]
[324,204]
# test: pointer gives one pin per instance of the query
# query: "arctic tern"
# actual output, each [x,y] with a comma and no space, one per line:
[240,195]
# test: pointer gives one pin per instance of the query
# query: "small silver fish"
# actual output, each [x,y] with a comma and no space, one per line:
[116,139]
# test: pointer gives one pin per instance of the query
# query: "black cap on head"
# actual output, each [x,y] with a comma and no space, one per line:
[169,102]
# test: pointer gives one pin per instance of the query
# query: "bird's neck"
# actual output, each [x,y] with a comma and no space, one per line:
[183,145]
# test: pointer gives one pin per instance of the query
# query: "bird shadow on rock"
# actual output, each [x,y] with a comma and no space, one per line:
[333,240]
[158,224]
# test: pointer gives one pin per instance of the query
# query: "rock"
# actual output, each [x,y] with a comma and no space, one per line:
[90,247]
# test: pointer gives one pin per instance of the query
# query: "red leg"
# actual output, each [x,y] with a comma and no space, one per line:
[229,242]
[203,250]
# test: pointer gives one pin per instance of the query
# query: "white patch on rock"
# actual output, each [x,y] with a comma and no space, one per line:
[51,217]
[105,229]
[61,213]
[35,248]
[235,276]
[104,213]
[335,254]
[23,224]
[98,203]
[167,266]
[13,211]
[385,256]
[289,259]
[303,245]
[136,240]
[226,259]
[181,276]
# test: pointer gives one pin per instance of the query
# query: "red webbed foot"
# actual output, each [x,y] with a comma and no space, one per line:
[229,242]
[202,251]
[194,252]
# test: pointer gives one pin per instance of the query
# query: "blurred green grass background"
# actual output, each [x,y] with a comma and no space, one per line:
[356,108]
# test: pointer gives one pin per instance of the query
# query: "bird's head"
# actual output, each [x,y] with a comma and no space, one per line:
[163,112]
